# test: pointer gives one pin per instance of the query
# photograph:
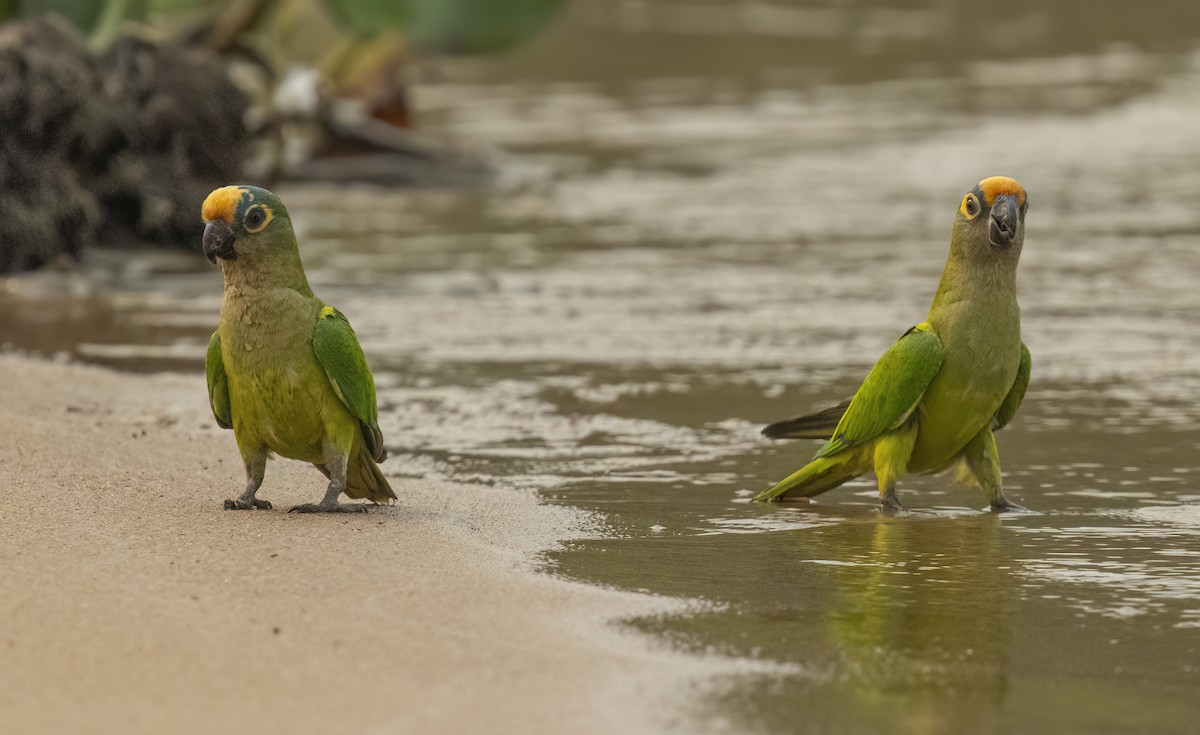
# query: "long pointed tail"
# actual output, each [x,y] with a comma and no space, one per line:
[364,479]
[819,425]
[814,478]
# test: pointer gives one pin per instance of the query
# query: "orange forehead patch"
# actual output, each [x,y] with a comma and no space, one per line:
[223,203]
[999,186]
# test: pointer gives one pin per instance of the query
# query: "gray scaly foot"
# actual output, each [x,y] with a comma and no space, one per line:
[889,503]
[240,504]
[1003,505]
[256,467]
[335,468]
[330,508]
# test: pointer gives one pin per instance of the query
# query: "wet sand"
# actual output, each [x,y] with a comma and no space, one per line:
[133,603]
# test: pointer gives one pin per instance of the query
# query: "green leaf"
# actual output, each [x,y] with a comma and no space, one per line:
[449,26]
[478,26]
[87,15]
[368,17]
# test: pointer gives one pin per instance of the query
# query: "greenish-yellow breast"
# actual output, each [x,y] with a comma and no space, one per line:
[981,342]
[280,396]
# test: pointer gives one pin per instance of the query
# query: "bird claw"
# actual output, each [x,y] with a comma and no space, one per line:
[890,504]
[331,508]
[1004,505]
[243,505]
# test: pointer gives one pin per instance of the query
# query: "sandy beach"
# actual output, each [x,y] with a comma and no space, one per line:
[133,603]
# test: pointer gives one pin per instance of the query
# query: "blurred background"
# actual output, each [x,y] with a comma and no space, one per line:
[591,247]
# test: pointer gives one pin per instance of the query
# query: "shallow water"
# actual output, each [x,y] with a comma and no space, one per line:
[666,263]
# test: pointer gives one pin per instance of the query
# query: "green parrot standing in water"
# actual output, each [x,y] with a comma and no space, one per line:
[936,397]
[284,370]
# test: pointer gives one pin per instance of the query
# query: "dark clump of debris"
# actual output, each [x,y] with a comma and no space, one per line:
[117,148]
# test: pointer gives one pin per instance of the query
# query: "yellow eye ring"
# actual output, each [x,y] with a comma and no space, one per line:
[257,218]
[970,206]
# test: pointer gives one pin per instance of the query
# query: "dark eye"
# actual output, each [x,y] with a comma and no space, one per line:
[255,217]
[971,205]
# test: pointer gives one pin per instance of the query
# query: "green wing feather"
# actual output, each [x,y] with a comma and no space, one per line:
[342,359]
[218,385]
[1012,401]
[891,391]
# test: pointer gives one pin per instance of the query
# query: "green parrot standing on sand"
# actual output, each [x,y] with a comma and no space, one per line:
[284,370]
[936,397]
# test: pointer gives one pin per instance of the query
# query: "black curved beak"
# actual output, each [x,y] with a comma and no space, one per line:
[218,241]
[1006,221]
